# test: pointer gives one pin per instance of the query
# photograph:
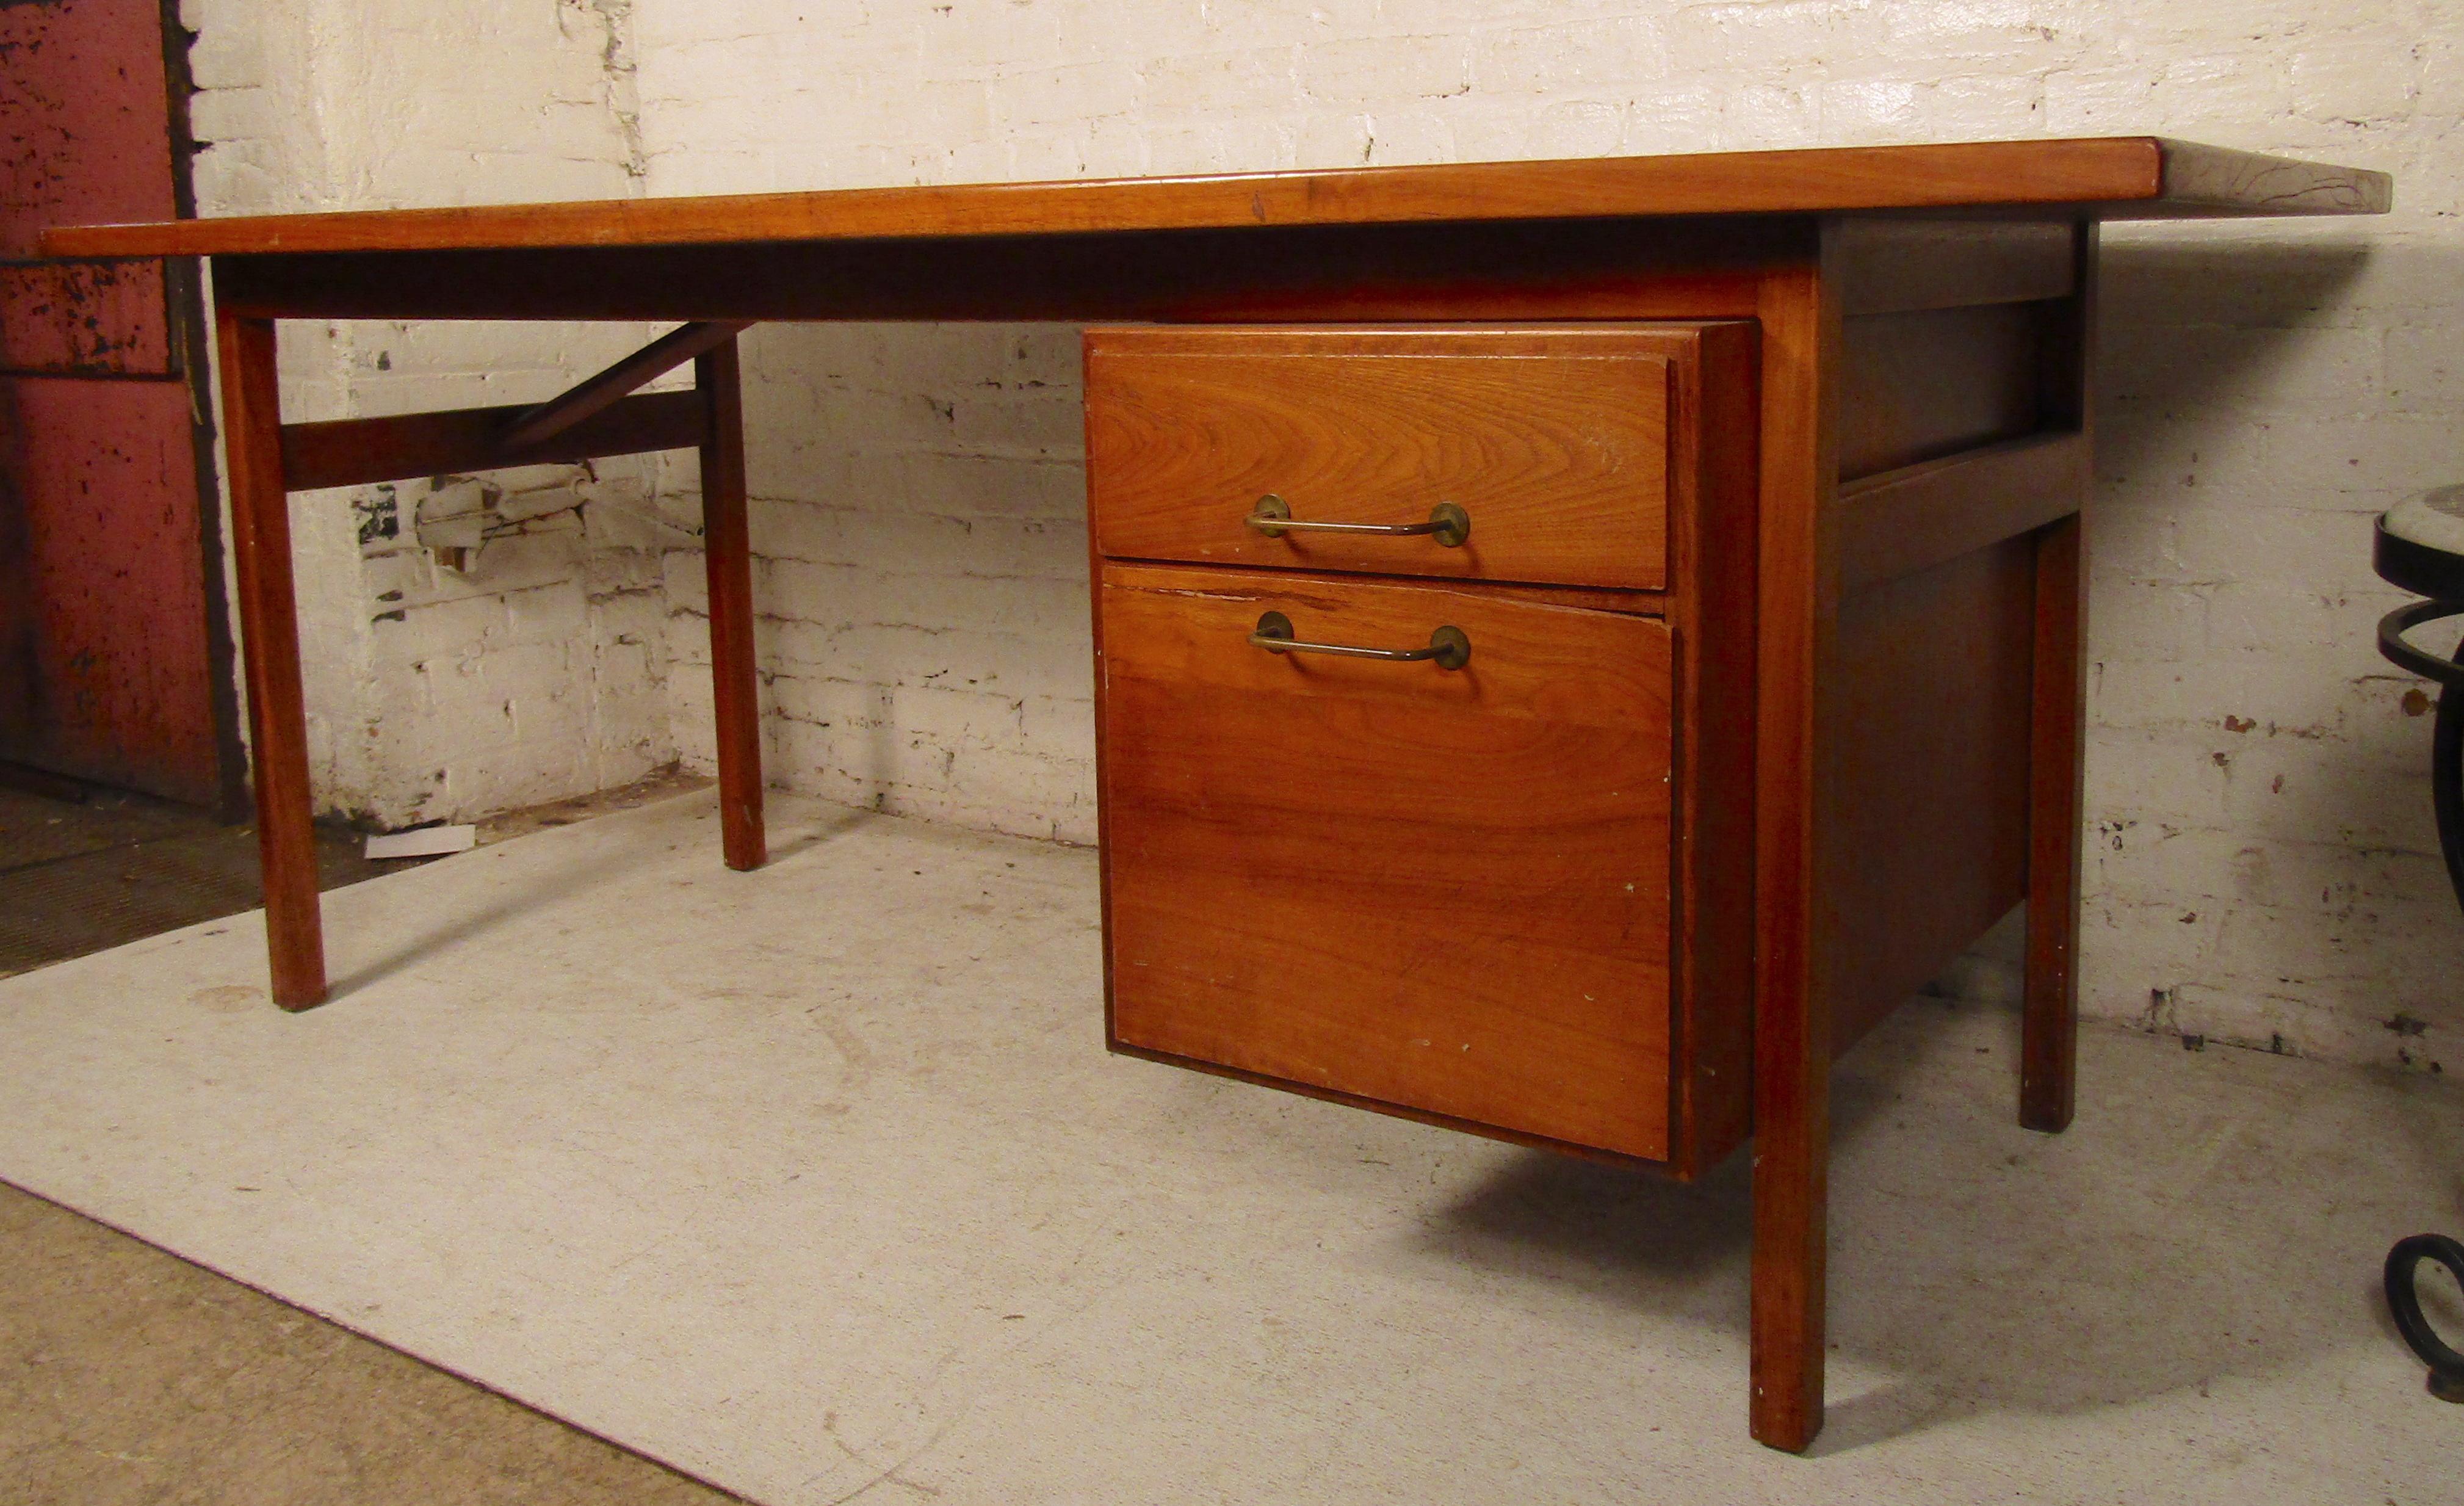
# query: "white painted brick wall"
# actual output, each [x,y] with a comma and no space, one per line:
[539,671]
[2262,863]
[919,516]
[2266,390]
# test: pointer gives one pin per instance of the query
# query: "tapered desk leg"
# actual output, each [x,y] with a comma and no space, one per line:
[1792,1224]
[727,554]
[1797,614]
[2049,1040]
[269,641]
[2058,737]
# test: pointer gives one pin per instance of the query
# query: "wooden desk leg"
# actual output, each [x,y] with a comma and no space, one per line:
[2048,1039]
[727,553]
[278,720]
[2058,737]
[1798,611]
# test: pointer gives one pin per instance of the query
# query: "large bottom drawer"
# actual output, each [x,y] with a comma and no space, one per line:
[1442,889]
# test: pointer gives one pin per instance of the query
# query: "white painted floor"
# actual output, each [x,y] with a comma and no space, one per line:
[817,1183]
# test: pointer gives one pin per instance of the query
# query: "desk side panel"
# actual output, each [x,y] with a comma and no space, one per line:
[1937,675]
[1961,436]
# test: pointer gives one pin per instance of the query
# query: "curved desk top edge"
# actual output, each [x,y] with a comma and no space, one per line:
[2112,177]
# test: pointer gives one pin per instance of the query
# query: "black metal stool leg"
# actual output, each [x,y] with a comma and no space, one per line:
[2447,796]
[2447,738]
[2447,775]
[2403,1265]
[2419,547]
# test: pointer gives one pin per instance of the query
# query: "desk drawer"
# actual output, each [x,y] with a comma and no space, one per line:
[1442,890]
[1554,444]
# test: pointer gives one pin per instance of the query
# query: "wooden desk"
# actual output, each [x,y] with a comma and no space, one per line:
[1843,636]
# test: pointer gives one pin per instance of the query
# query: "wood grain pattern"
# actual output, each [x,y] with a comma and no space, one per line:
[1931,757]
[1918,385]
[349,451]
[2209,178]
[1795,793]
[727,561]
[269,619]
[1554,442]
[1442,889]
[1894,265]
[2125,173]
[1710,608]
[1897,523]
[1714,467]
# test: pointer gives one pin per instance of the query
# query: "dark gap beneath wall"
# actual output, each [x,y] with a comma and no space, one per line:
[85,874]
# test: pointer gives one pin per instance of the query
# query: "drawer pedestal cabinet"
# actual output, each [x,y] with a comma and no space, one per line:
[1698,669]
[1448,891]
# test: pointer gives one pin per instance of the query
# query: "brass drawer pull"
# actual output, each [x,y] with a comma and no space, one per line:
[1448,525]
[1449,648]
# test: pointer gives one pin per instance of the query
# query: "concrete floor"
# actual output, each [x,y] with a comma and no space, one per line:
[78,876]
[129,1375]
[818,1184]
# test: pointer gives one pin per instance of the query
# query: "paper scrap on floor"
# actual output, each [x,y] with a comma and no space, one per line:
[423,842]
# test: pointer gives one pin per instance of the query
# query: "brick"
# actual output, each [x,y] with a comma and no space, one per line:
[1771,114]
[2230,535]
[1772,33]
[1230,81]
[1069,95]
[1677,118]
[1577,128]
[1335,141]
[2143,622]
[1385,67]
[2023,36]
[1398,137]
[2153,777]
[2356,78]
[1579,56]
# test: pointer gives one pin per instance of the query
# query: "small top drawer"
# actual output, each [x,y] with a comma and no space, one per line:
[1552,443]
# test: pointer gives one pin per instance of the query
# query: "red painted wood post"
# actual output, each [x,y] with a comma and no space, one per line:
[269,622]
[113,610]
[727,554]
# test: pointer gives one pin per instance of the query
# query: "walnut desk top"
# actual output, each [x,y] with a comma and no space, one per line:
[1246,245]
[2127,177]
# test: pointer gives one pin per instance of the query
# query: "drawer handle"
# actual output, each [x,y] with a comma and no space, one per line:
[1448,525]
[1450,647]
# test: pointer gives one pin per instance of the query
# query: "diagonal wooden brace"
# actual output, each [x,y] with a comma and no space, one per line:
[591,419]
[656,359]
